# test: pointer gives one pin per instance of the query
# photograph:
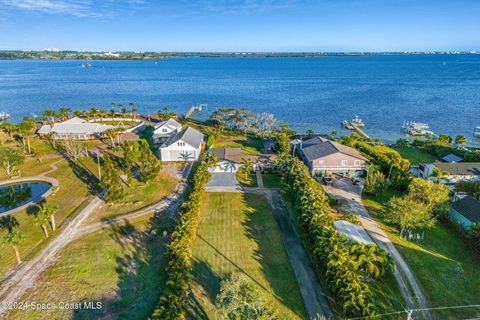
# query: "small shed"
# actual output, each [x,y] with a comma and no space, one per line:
[353,231]
[465,212]
[452,158]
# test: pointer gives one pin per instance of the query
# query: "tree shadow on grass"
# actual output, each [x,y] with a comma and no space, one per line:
[140,271]
[275,266]
[208,283]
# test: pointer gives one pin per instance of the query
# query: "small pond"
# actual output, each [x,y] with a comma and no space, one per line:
[15,195]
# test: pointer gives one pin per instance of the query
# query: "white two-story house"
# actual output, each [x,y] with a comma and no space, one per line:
[184,145]
[165,129]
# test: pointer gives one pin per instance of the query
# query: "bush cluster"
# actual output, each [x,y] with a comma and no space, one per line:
[346,264]
[172,303]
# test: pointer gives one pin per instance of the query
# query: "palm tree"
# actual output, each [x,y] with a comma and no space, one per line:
[247,166]
[94,112]
[213,161]
[133,110]
[112,109]
[48,210]
[64,112]
[13,237]
[41,219]
[51,136]
[461,140]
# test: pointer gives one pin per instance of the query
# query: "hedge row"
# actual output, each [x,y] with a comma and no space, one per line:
[173,302]
[346,264]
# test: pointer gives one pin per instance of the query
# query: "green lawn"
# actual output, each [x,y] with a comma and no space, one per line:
[237,232]
[249,181]
[271,180]
[415,155]
[139,195]
[70,196]
[445,267]
[249,145]
[120,266]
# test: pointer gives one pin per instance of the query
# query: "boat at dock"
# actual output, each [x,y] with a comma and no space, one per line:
[417,129]
[476,132]
[356,124]
[4,116]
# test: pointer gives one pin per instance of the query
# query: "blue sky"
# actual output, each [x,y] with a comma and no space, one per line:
[240,25]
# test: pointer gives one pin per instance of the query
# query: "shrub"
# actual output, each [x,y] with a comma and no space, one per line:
[173,302]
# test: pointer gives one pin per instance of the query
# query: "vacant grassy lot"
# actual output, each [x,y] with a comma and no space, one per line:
[415,155]
[249,145]
[237,232]
[139,195]
[445,267]
[125,272]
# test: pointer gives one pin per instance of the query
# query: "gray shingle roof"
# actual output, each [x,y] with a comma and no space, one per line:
[468,207]
[460,168]
[319,147]
[188,135]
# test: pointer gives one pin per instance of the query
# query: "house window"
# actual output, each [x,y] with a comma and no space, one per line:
[164,130]
[181,144]
[357,163]
[344,163]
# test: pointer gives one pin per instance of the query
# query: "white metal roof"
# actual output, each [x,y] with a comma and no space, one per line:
[353,231]
[75,126]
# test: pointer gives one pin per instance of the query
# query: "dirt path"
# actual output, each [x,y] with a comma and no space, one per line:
[313,295]
[25,276]
[350,197]
[173,201]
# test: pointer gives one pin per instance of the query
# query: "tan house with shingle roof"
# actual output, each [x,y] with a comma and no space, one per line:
[322,155]
[231,159]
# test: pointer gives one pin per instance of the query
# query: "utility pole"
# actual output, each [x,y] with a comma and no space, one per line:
[98,164]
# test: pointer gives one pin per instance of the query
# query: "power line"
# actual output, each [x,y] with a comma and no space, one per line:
[423,309]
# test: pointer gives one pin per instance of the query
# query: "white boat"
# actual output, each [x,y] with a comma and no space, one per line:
[357,121]
[87,65]
[476,132]
[417,129]
[4,116]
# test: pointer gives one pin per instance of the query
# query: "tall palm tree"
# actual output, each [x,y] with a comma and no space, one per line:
[94,112]
[13,237]
[247,166]
[42,220]
[49,210]
[112,109]
[133,110]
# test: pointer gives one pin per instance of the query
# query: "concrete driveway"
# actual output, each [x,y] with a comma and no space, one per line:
[350,198]
[223,182]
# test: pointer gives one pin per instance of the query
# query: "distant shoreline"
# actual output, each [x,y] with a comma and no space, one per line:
[75,55]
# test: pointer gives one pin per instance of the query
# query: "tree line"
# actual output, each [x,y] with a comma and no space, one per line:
[346,265]
[173,302]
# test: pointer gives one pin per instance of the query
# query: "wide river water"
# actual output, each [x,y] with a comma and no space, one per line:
[318,93]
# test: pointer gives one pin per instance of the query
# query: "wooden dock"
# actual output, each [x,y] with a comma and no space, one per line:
[193,109]
[353,127]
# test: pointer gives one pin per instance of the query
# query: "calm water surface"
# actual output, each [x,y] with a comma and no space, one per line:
[16,195]
[318,93]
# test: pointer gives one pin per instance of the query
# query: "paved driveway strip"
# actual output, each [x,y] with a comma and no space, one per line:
[312,293]
[343,190]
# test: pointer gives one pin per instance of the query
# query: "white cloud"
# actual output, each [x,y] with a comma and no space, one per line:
[232,6]
[77,8]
